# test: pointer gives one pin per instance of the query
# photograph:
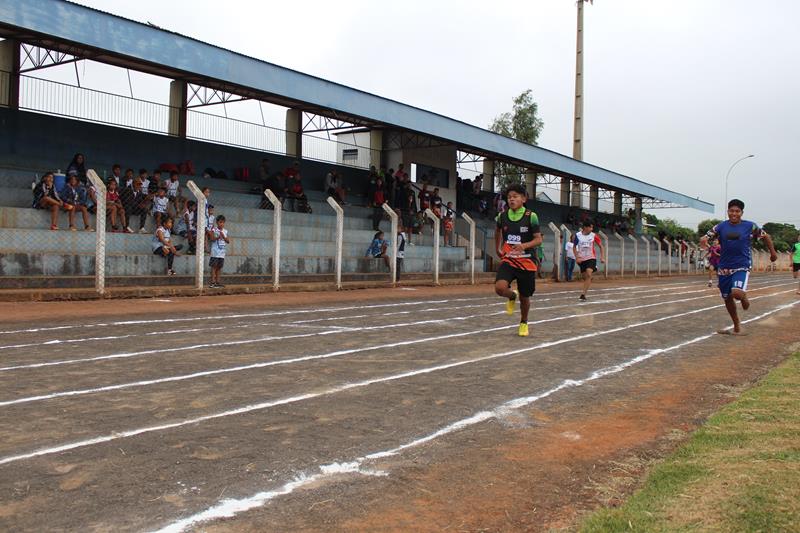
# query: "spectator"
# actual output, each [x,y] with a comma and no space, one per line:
[127,181]
[162,244]
[71,196]
[45,196]
[116,173]
[273,183]
[401,247]
[219,241]
[263,173]
[436,203]
[207,193]
[333,186]
[186,225]
[377,200]
[134,199]
[160,206]
[296,196]
[292,171]
[483,207]
[570,250]
[114,207]
[77,167]
[424,198]
[174,193]
[448,217]
[377,249]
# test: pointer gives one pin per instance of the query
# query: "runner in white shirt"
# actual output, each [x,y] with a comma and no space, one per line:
[584,244]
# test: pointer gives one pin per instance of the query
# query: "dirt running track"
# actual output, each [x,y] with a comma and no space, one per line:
[366,411]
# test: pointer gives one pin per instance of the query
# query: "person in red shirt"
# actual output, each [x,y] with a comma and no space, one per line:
[377,200]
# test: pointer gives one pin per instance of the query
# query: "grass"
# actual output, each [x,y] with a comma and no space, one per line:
[739,472]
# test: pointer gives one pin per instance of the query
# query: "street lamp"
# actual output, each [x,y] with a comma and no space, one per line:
[728,175]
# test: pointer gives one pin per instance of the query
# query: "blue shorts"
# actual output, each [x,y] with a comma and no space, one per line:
[737,280]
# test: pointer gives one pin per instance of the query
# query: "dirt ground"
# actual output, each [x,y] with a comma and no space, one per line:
[369,410]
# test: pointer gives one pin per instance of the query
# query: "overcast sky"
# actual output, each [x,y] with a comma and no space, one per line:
[674,91]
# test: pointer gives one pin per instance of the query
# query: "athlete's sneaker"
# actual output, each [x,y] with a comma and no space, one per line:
[710,284]
[582,298]
[511,302]
[523,329]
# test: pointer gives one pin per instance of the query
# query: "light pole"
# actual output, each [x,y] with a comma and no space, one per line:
[728,175]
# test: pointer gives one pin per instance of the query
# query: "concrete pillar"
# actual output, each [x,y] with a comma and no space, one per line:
[564,191]
[294,133]
[177,108]
[530,184]
[617,203]
[638,208]
[9,78]
[488,175]
[376,148]
[594,198]
[576,194]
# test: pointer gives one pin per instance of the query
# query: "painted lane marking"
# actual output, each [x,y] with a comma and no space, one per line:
[345,387]
[230,507]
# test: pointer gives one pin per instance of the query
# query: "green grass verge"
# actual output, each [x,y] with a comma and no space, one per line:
[739,472]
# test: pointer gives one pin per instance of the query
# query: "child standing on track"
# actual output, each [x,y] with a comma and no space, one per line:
[515,236]
[584,242]
[796,261]
[736,237]
[219,242]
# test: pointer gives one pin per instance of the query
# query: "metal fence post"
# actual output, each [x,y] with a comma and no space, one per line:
[635,255]
[556,248]
[471,223]
[669,256]
[276,238]
[567,236]
[200,244]
[647,243]
[621,240]
[100,232]
[436,222]
[339,238]
[393,249]
[604,238]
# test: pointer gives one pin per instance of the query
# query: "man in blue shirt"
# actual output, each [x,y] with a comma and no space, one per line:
[736,238]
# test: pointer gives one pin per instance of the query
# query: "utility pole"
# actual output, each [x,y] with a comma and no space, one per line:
[577,147]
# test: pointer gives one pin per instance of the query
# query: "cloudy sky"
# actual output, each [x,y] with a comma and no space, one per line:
[675,91]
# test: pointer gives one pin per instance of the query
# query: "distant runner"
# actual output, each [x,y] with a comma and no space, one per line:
[713,261]
[736,238]
[517,233]
[584,242]
[796,261]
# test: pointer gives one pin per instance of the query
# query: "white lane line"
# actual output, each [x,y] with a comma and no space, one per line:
[230,507]
[251,325]
[347,386]
[125,355]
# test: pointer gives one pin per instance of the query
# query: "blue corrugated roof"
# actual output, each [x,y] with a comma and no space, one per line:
[89,27]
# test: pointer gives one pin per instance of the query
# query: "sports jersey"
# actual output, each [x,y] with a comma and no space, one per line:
[735,242]
[160,204]
[584,245]
[218,245]
[401,245]
[172,188]
[713,255]
[796,255]
[518,227]
[156,241]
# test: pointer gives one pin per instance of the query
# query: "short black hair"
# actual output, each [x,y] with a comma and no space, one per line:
[517,188]
[173,173]
[220,218]
[142,171]
[586,223]
[736,203]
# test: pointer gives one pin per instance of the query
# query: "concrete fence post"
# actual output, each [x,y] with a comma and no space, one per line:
[566,235]
[669,256]
[604,238]
[647,243]
[696,249]
[635,255]
[393,249]
[339,239]
[436,223]
[471,223]
[276,238]
[789,261]
[621,240]
[200,244]
[100,232]
[556,247]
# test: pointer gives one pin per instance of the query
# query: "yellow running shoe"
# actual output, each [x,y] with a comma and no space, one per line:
[510,303]
[523,329]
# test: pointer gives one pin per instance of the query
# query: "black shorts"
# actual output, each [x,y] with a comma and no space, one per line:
[587,264]
[795,267]
[217,262]
[526,279]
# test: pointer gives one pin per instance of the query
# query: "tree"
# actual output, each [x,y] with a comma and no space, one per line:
[705,225]
[783,235]
[523,124]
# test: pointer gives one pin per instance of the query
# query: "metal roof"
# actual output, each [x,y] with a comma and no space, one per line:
[58,24]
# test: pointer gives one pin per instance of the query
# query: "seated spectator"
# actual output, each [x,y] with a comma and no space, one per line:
[174,193]
[424,197]
[127,180]
[436,203]
[377,249]
[186,226]
[333,186]
[376,201]
[297,197]
[75,201]
[162,244]
[292,171]
[114,207]
[77,167]
[134,200]
[449,220]
[45,196]
[160,205]
[483,207]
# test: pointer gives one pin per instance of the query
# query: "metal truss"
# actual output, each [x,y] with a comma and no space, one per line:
[198,96]
[466,157]
[314,123]
[34,57]
[398,140]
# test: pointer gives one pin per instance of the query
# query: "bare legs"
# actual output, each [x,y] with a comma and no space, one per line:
[730,305]
[587,281]
[503,288]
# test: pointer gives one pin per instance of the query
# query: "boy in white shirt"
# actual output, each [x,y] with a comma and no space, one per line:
[219,241]
[160,206]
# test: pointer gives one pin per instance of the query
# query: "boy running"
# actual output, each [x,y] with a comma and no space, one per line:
[713,261]
[517,233]
[219,242]
[796,261]
[584,243]
[735,239]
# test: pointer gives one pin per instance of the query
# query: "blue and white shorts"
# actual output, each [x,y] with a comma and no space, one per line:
[734,280]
